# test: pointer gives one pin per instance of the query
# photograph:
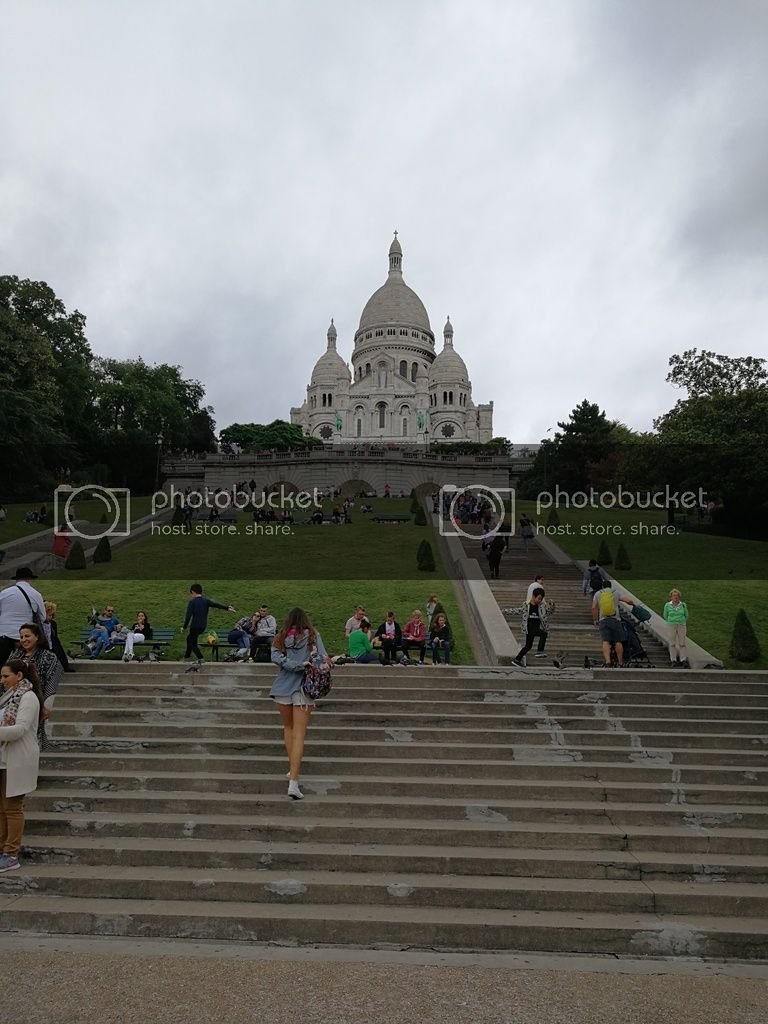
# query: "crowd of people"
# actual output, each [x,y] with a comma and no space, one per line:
[391,643]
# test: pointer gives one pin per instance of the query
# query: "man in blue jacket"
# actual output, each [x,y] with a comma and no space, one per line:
[197,618]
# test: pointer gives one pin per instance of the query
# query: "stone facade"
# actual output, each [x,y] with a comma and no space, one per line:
[399,389]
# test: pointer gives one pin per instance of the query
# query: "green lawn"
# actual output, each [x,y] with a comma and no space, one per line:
[15,528]
[326,569]
[717,575]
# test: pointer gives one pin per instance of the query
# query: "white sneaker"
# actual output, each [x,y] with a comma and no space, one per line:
[294,792]
[540,654]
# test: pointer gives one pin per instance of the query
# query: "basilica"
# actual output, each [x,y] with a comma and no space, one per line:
[399,388]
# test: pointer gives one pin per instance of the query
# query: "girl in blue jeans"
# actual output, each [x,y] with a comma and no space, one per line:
[440,639]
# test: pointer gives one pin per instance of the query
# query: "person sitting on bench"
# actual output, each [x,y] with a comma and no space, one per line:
[265,630]
[391,636]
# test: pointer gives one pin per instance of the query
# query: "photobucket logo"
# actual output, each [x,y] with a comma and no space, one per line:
[234,500]
[621,498]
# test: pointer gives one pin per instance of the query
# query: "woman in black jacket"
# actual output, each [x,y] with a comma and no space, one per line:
[440,639]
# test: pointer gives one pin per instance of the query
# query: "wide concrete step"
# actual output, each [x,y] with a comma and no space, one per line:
[73,802]
[258,885]
[601,734]
[408,792]
[540,746]
[528,762]
[527,862]
[438,927]
[484,828]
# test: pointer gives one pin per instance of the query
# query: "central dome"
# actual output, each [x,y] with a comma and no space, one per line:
[394,302]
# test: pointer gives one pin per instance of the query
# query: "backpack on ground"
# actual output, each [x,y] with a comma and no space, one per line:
[606,603]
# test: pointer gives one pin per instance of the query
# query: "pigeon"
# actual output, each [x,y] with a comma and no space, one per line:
[559,660]
[588,663]
[194,667]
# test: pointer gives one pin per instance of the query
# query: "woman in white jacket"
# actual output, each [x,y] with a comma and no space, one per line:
[20,706]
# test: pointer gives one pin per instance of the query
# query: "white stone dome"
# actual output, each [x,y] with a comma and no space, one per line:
[394,303]
[448,368]
[330,368]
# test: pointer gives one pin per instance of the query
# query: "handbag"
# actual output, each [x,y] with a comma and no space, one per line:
[640,613]
[316,681]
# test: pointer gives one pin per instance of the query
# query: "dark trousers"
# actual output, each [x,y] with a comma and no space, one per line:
[192,648]
[534,630]
[260,641]
[388,649]
[409,644]
[494,562]
[7,644]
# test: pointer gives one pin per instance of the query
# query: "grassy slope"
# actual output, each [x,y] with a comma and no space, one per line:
[15,528]
[717,575]
[326,569]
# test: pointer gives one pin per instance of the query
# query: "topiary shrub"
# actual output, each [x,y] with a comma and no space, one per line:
[76,556]
[103,551]
[103,519]
[604,554]
[553,519]
[425,559]
[622,559]
[415,503]
[744,643]
[420,519]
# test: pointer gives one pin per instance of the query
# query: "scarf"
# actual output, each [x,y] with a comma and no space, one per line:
[12,707]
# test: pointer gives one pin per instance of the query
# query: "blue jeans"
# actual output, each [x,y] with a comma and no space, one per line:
[101,640]
[239,637]
[365,657]
[446,646]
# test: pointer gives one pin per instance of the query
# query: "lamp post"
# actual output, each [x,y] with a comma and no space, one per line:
[157,464]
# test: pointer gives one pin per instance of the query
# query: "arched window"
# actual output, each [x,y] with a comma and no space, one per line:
[450,398]
[323,400]
[445,398]
[382,411]
[367,367]
[414,370]
[381,374]
[405,427]
[330,399]
[359,428]
[403,368]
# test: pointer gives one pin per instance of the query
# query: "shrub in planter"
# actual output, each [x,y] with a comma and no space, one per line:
[622,559]
[744,643]
[420,518]
[103,551]
[76,557]
[425,559]
[553,519]
[604,554]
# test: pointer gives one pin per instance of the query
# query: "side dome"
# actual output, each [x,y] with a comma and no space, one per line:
[330,368]
[448,367]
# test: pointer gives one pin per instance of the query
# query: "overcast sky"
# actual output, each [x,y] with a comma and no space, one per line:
[581,184]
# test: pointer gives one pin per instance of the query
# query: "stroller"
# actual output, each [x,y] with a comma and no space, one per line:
[634,652]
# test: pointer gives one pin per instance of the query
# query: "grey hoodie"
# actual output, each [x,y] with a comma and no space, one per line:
[291,663]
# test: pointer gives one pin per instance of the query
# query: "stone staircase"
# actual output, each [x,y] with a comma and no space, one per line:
[476,808]
[572,630]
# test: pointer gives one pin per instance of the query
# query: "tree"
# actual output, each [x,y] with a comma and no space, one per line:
[279,434]
[744,643]
[705,374]
[425,559]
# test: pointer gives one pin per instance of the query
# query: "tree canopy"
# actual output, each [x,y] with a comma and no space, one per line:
[62,407]
[279,434]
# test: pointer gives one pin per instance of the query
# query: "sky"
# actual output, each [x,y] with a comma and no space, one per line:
[581,184]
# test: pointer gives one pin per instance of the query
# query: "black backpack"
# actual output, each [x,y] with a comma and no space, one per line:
[595,579]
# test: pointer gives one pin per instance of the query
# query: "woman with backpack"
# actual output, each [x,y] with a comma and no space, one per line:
[676,614]
[294,649]
[21,706]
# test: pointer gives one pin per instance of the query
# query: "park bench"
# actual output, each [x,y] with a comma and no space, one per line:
[162,636]
[391,519]
[221,641]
